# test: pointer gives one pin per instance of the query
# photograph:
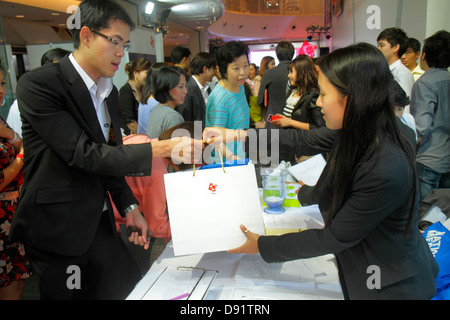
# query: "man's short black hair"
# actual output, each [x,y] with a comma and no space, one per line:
[284,51]
[400,97]
[97,15]
[436,49]
[395,36]
[178,53]
[227,53]
[201,60]
[54,54]
[414,44]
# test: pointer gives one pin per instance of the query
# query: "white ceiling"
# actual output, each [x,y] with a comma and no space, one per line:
[186,16]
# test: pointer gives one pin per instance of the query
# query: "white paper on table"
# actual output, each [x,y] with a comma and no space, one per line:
[207,219]
[173,283]
[308,217]
[252,268]
[180,283]
[271,293]
[309,170]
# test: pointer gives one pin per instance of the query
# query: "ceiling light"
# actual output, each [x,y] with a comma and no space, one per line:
[181,8]
[149,7]
[20,16]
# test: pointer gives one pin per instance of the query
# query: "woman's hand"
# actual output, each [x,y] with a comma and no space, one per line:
[215,136]
[6,132]
[283,122]
[250,246]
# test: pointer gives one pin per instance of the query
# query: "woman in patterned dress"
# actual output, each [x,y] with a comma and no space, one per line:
[14,265]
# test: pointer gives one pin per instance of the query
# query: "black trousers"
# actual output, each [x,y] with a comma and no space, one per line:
[107,271]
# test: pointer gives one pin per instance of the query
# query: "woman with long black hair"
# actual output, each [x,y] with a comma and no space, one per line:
[367,193]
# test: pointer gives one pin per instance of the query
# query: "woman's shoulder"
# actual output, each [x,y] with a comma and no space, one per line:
[125,87]
[389,162]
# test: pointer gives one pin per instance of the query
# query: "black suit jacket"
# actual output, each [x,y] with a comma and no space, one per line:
[275,80]
[194,107]
[368,230]
[69,167]
[307,111]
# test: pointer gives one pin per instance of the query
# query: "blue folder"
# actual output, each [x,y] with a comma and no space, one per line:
[228,163]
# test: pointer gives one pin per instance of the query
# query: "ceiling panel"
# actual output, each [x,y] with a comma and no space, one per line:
[185,17]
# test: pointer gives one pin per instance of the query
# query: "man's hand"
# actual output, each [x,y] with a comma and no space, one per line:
[186,150]
[135,219]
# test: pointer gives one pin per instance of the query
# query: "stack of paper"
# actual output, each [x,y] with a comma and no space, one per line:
[309,171]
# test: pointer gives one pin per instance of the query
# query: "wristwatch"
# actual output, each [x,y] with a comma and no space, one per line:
[130,208]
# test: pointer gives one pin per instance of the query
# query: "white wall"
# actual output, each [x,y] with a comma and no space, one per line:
[418,18]
[143,41]
[437,16]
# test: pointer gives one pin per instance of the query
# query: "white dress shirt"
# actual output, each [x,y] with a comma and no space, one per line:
[404,78]
[99,92]
[203,89]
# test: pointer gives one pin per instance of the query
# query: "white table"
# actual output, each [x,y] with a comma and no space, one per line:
[226,287]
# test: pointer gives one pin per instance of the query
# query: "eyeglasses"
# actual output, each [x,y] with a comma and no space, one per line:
[115,43]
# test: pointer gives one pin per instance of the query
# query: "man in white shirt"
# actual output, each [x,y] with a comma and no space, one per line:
[77,163]
[392,43]
[203,68]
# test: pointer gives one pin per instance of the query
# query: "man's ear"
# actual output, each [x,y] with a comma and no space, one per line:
[422,56]
[396,48]
[86,36]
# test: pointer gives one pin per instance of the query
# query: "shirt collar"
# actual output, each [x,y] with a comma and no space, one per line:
[395,64]
[202,88]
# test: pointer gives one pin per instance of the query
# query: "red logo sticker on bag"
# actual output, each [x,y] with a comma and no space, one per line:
[212,187]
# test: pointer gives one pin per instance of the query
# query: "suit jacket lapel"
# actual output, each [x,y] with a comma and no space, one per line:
[111,102]
[194,86]
[82,101]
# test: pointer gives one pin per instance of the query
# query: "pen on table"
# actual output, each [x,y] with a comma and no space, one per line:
[180,297]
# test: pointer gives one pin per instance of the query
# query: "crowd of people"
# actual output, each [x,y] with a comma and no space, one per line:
[95,156]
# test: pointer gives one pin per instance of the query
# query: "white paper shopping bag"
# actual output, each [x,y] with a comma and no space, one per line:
[206,210]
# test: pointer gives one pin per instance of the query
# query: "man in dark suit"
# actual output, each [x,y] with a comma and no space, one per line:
[76,162]
[203,68]
[275,80]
